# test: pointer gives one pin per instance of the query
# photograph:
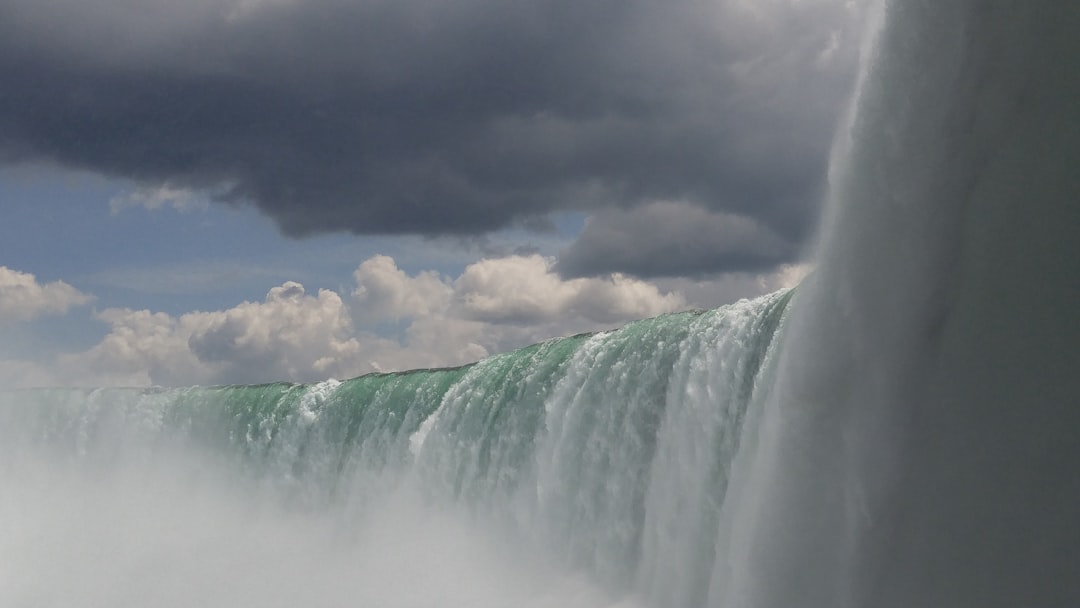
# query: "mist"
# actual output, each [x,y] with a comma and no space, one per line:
[179,528]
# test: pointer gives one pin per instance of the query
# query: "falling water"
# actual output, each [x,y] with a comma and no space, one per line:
[921,441]
[584,471]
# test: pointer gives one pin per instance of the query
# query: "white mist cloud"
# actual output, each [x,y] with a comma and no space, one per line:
[176,529]
[23,298]
[15,373]
[786,276]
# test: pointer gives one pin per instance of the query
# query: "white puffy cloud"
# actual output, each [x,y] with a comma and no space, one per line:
[512,290]
[385,292]
[141,348]
[526,289]
[23,298]
[291,335]
[493,306]
[621,299]
[499,304]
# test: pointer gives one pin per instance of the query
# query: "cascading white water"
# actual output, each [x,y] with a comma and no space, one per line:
[710,392]
[549,476]
[921,443]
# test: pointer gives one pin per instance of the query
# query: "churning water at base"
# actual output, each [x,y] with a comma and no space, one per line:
[902,433]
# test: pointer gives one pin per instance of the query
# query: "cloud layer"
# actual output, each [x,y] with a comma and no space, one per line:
[289,335]
[667,238]
[388,320]
[23,298]
[391,320]
[417,116]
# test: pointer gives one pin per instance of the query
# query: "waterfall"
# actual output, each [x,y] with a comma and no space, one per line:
[902,431]
[920,444]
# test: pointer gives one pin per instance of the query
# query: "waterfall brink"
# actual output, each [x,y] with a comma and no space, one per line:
[904,432]
[583,472]
[921,442]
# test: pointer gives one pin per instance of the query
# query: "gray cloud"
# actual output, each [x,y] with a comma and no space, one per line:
[668,238]
[417,116]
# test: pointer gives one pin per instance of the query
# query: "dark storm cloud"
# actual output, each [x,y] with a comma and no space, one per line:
[436,117]
[672,239]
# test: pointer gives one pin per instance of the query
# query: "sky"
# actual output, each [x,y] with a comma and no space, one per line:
[240,191]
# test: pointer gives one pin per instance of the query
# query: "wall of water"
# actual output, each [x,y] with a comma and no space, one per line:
[921,443]
[602,459]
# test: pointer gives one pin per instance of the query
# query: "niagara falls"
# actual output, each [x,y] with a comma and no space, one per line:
[713,304]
